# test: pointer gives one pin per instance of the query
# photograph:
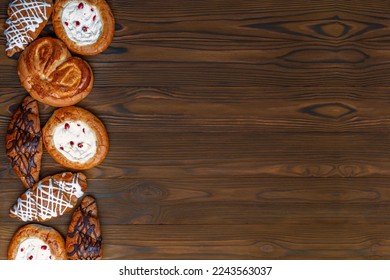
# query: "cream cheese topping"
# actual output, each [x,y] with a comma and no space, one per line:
[33,249]
[82,22]
[75,140]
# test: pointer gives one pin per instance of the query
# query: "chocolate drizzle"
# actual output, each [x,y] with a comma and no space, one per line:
[84,241]
[24,142]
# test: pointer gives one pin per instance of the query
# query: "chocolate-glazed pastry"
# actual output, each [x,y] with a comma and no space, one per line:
[24,142]
[84,239]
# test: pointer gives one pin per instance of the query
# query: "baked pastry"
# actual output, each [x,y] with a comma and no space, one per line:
[37,242]
[24,142]
[87,27]
[84,238]
[51,197]
[51,75]
[26,20]
[75,138]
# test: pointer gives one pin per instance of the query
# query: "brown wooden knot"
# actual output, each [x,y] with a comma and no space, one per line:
[335,110]
[332,29]
[325,56]
[147,192]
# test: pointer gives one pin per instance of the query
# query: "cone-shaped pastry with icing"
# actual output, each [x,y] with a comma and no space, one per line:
[24,142]
[84,238]
[26,20]
[49,198]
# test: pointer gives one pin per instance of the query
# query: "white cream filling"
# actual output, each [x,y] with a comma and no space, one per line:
[33,249]
[75,140]
[82,22]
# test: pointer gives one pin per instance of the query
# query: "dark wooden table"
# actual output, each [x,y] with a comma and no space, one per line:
[239,129]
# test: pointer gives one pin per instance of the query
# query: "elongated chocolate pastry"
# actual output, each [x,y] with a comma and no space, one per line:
[51,197]
[84,239]
[24,142]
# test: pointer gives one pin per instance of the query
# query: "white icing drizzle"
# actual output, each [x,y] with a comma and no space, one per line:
[19,25]
[48,201]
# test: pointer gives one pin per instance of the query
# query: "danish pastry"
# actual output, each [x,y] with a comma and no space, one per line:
[87,27]
[51,197]
[51,75]
[26,20]
[24,142]
[84,238]
[37,242]
[75,138]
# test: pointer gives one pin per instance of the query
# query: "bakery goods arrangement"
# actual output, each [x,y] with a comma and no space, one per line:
[73,136]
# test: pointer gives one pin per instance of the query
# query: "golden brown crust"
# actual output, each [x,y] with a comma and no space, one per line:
[52,76]
[15,27]
[53,196]
[24,142]
[84,238]
[73,114]
[105,38]
[47,234]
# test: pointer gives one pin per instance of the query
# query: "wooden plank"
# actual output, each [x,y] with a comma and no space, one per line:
[225,109]
[231,201]
[301,241]
[155,155]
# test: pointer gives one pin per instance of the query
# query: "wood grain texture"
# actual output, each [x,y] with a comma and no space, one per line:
[239,129]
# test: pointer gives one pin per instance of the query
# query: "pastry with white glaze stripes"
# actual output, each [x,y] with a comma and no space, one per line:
[49,198]
[26,20]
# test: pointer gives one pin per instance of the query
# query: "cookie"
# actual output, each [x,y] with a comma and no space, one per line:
[75,138]
[87,27]
[37,242]
[24,142]
[84,238]
[26,20]
[52,197]
[52,76]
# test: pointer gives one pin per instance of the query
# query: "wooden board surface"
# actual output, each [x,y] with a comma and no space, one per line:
[239,130]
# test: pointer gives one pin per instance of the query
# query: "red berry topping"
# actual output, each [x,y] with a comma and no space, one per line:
[83,130]
[67,126]
[66,23]
[85,29]
[30,258]
[43,247]
[78,124]
[71,143]
[80,145]
[81,6]
[92,10]
[77,23]
[62,148]
[50,257]
[94,18]
[21,250]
